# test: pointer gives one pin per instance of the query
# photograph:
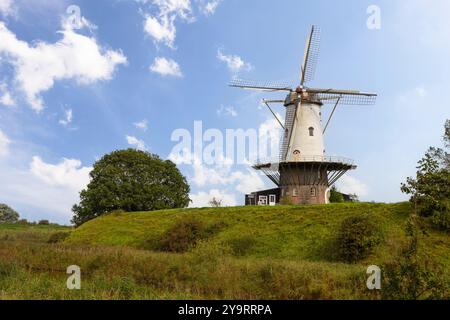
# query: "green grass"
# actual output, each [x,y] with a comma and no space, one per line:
[284,232]
[284,252]
[29,233]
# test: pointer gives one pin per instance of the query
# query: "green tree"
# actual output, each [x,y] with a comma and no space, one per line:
[430,189]
[7,214]
[335,195]
[131,180]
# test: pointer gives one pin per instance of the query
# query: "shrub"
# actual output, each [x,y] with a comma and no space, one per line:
[23,222]
[335,195]
[43,222]
[182,236]
[58,237]
[357,236]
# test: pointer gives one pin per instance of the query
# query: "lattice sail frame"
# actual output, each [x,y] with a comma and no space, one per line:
[312,51]
[260,85]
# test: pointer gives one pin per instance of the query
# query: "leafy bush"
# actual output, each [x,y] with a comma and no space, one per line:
[7,214]
[183,235]
[23,222]
[335,195]
[58,237]
[357,236]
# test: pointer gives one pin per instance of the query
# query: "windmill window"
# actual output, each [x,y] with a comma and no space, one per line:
[311,132]
[313,192]
[295,192]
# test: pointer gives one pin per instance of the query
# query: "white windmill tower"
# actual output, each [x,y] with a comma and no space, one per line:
[303,171]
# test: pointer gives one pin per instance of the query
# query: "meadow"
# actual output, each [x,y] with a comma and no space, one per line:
[283,252]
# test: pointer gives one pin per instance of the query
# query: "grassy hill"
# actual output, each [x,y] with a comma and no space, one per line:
[283,252]
[282,232]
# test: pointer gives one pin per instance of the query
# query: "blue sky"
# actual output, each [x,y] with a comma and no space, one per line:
[129,73]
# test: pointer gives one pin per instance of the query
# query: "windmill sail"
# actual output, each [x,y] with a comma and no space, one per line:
[260,85]
[346,97]
[308,70]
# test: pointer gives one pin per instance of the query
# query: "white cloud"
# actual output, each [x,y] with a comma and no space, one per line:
[5,96]
[143,125]
[270,133]
[229,111]
[161,30]
[161,26]
[68,117]
[135,142]
[234,62]
[248,182]
[74,57]
[42,190]
[4,144]
[166,67]
[222,173]
[350,185]
[68,173]
[202,198]
[6,7]
[208,8]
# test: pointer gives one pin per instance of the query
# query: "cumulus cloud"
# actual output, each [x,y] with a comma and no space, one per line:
[161,25]
[39,65]
[350,185]
[135,142]
[43,190]
[234,62]
[68,117]
[68,173]
[202,198]
[269,134]
[4,144]
[166,67]
[143,125]
[6,7]
[5,96]
[222,173]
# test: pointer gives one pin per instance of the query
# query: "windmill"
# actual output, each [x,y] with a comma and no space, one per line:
[303,172]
